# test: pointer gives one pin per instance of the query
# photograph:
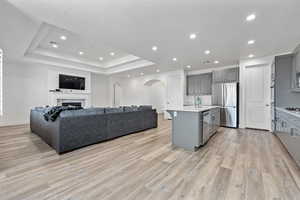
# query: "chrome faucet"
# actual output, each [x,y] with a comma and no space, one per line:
[197,101]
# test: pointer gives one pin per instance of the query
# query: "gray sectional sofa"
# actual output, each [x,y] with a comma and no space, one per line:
[78,128]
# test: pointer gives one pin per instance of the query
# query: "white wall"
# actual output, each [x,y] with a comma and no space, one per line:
[23,88]
[135,92]
[99,88]
[156,95]
[26,85]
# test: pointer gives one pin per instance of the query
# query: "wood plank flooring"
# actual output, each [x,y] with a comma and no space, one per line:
[235,164]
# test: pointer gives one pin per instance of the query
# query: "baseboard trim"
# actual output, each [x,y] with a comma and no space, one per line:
[8,124]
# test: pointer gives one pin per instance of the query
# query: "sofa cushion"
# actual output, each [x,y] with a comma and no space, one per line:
[127,109]
[74,113]
[42,109]
[114,110]
[135,108]
[130,108]
[96,110]
[145,107]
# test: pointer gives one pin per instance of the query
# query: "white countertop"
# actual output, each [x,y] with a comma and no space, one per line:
[193,108]
[296,114]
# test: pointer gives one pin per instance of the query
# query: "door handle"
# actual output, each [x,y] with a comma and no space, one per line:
[292,132]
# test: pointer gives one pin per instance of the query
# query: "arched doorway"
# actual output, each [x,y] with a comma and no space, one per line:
[156,94]
[117,95]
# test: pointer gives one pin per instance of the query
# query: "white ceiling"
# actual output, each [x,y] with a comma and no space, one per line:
[76,52]
[134,26]
[74,44]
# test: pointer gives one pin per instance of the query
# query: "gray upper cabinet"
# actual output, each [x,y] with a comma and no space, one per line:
[206,84]
[191,85]
[296,71]
[226,75]
[200,84]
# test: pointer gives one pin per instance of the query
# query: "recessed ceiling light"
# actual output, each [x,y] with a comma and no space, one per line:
[251,41]
[142,73]
[55,46]
[128,76]
[193,36]
[112,53]
[100,58]
[63,37]
[157,70]
[251,56]
[188,66]
[80,52]
[251,17]
[154,48]
[216,62]
[207,52]
[174,59]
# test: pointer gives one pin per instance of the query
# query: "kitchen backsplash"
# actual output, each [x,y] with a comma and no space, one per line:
[205,100]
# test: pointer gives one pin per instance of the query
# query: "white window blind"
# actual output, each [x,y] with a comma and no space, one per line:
[1,80]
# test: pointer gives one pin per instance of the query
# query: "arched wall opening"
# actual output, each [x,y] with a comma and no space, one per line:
[155,94]
[117,94]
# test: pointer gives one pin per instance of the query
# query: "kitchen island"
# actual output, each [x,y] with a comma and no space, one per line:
[193,126]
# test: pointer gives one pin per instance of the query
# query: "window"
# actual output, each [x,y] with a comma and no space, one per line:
[1,72]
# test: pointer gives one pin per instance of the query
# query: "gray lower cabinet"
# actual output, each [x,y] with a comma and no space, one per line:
[200,84]
[288,131]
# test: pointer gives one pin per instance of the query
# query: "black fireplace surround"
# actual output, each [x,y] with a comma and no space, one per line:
[78,128]
[77,104]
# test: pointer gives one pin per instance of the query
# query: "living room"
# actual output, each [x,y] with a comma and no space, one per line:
[149,99]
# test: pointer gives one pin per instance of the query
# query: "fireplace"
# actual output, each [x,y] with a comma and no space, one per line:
[71,102]
[77,104]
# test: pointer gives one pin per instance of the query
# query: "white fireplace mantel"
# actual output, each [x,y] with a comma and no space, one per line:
[57,98]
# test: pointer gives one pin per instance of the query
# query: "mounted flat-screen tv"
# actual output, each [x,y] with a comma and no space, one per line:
[71,82]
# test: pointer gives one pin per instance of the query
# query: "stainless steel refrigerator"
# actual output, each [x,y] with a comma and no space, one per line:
[226,96]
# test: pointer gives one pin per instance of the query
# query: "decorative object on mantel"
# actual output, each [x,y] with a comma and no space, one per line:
[55,90]
[295,109]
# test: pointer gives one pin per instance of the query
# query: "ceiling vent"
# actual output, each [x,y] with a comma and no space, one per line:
[52,42]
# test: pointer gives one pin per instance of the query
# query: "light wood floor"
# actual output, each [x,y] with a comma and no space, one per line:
[235,164]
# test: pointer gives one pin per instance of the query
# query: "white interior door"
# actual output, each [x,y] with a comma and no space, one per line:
[174,94]
[257,97]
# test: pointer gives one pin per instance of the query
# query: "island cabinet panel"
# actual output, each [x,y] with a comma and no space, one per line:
[186,129]
[200,84]
[288,131]
[193,127]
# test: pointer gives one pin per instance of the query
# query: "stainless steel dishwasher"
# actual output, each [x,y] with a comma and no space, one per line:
[206,129]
